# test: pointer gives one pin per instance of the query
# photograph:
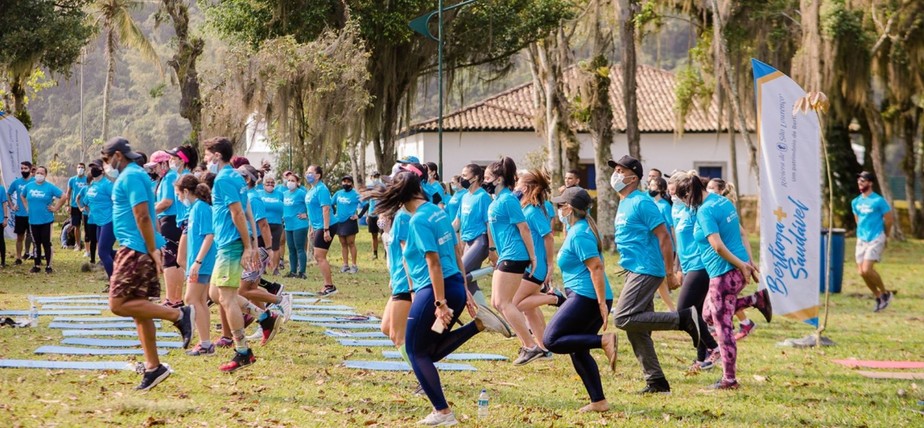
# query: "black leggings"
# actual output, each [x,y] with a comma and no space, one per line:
[2,248]
[693,294]
[41,235]
[93,239]
[574,330]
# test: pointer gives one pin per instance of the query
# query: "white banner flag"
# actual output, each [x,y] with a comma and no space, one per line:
[15,147]
[790,196]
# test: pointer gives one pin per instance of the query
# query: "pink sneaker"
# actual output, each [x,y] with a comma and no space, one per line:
[745,330]
[224,342]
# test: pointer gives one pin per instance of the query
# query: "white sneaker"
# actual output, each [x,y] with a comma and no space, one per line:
[286,306]
[257,334]
[437,419]
[492,322]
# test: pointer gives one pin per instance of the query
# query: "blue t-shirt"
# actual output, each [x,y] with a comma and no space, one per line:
[665,208]
[82,200]
[98,197]
[435,188]
[293,204]
[639,250]
[272,203]
[133,187]
[452,207]
[346,203]
[17,189]
[539,227]
[3,199]
[229,188]
[257,208]
[199,226]
[396,271]
[473,214]
[718,215]
[687,251]
[166,191]
[504,215]
[550,210]
[430,232]
[869,211]
[75,184]
[182,213]
[316,199]
[579,246]
[39,197]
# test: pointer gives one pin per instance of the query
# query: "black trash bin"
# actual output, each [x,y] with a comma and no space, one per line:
[837,259]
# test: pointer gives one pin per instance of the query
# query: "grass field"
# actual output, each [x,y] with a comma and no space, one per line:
[297,380]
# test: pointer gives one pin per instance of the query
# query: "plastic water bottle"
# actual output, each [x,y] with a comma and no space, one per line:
[483,401]
[33,313]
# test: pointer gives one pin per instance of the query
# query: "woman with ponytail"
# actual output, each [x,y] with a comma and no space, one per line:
[574,328]
[200,255]
[472,224]
[433,260]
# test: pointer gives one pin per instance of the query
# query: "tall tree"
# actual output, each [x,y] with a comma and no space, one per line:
[188,49]
[628,10]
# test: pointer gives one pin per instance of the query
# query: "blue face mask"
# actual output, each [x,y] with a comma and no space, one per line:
[518,194]
[310,178]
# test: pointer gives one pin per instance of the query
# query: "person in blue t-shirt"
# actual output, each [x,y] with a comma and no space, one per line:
[394,318]
[200,255]
[433,187]
[647,254]
[534,290]
[167,208]
[90,230]
[346,203]
[574,328]
[137,264]
[182,161]
[510,246]
[657,190]
[452,207]
[78,220]
[472,224]
[272,197]
[372,220]
[21,217]
[874,222]
[717,232]
[3,222]
[323,224]
[41,200]
[433,260]
[98,198]
[295,217]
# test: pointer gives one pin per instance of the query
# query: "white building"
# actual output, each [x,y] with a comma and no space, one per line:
[503,125]
[256,146]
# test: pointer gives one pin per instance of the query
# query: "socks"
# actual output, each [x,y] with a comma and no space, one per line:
[205,344]
[240,341]
[152,369]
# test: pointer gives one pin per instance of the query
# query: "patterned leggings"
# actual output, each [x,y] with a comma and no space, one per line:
[720,307]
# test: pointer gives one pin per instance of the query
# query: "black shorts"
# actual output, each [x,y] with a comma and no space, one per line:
[172,234]
[529,277]
[513,266]
[373,223]
[317,238]
[77,217]
[401,297]
[21,226]
[348,228]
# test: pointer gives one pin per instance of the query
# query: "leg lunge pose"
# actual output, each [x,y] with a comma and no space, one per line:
[394,320]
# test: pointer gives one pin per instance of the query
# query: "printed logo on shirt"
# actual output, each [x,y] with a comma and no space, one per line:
[445,238]
[621,219]
[36,194]
[865,209]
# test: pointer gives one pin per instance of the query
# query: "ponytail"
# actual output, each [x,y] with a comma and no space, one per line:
[593,226]
[203,192]
[690,188]
[191,184]
[404,187]
[537,187]
[505,168]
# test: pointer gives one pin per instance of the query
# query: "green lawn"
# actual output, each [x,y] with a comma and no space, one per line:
[297,381]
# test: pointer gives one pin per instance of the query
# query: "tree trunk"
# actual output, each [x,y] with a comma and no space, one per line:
[601,129]
[909,130]
[919,175]
[110,74]
[183,64]
[18,90]
[877,145]
[627,12]
[546,76]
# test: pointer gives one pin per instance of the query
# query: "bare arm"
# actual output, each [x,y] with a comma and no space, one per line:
[595,266]
[549,242]
[715,241]
[667,251]
[146,227]
[888,219]
[163,205]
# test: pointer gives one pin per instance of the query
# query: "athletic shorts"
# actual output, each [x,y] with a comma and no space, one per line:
[276,230]
[134,274]
[348,228]
[513,266]
[21,226]
[77,217]
[172,234]
[401,297]
[870,250]
[373,223]
[202,279]
[317,237]
[527,276]
[228,270]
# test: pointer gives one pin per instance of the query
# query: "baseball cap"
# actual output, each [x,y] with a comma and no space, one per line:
[121,145]
[409,159]
[159,156]
[628,162]
[866,175]
[577,197]
[248,171]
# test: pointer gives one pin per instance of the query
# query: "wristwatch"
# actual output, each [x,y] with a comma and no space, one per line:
[198,261]
[492,248]
[439,303]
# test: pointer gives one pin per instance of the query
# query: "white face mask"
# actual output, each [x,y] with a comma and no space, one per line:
[617,181]
[291,185]
[213,167]
[711,191]
[676,200]
[564,219]
[81,171]
[39,178]
[186,200]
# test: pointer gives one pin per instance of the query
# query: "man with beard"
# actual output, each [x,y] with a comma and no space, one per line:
[874,220]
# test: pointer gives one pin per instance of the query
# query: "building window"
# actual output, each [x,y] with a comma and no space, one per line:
[710,169]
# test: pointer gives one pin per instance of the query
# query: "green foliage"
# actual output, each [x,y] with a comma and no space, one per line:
[42,33]
[253,21]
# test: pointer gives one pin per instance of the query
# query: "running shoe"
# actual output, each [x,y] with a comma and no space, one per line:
[528,355]
[272,287]
[301,276]
[257,334]
[186,324]
[248,320]
[328,290]
[36,269]
[657,386]
[269,327]
[200,350]
[290,275]
[354,269]
[344,269]
[238,362]
[764,305]
[744,330]
[547,355]
[49,270]
[487,320]
[18,262]
[151,378]
[886,300]
[286,306]
[225,342]
[437,419]
[276,272]
[558,295]
[724,384]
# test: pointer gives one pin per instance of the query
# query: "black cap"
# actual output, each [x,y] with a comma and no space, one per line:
[121,145]
[866,175]
[347,178]
[575,196]
[628,162]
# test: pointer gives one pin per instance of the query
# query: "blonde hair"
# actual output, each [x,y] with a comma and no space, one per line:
[726,189]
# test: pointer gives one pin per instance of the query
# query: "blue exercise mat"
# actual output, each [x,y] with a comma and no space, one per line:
[400,366]
[395,355]
[125,333]
[324,307]
[90,325]
[350,326]
[115,343]
[71,297]
[69,365]
[311,301]
[358,318]
[302,293]
[93,319]
[366,342]
[68,350]
[356,334]
[74,302]
[44,313]
[310,312]
[77,307]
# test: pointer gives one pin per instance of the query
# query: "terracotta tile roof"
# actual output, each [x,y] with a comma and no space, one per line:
[512,110]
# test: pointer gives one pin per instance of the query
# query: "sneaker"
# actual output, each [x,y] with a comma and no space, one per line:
[689,322]
[272,287]
[419,390]
[36,269]
[375,256]
[328,290]
[238,362]
[150,379]
[658,386]
[723,384]
[344,269]
[487,320]
[49,270]
[185,325]
[763,304]
[744,330]
[561,298]
[290,275]
[878,306]
[547,355]
[257,334]
[301,276]
[18,262]
[286,306]
[354,269]
[269,327]
[248,320]
[528,355]
[199,350]
[276,272]
[437,419]
[886,299]
[224,342]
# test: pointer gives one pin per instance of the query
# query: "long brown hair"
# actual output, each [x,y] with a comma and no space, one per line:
[537,187]
[593,226]
[190,183]
[404,186]
[505,168]
[690,190]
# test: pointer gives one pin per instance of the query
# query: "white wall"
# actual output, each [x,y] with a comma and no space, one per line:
[660,151]
[257,146]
